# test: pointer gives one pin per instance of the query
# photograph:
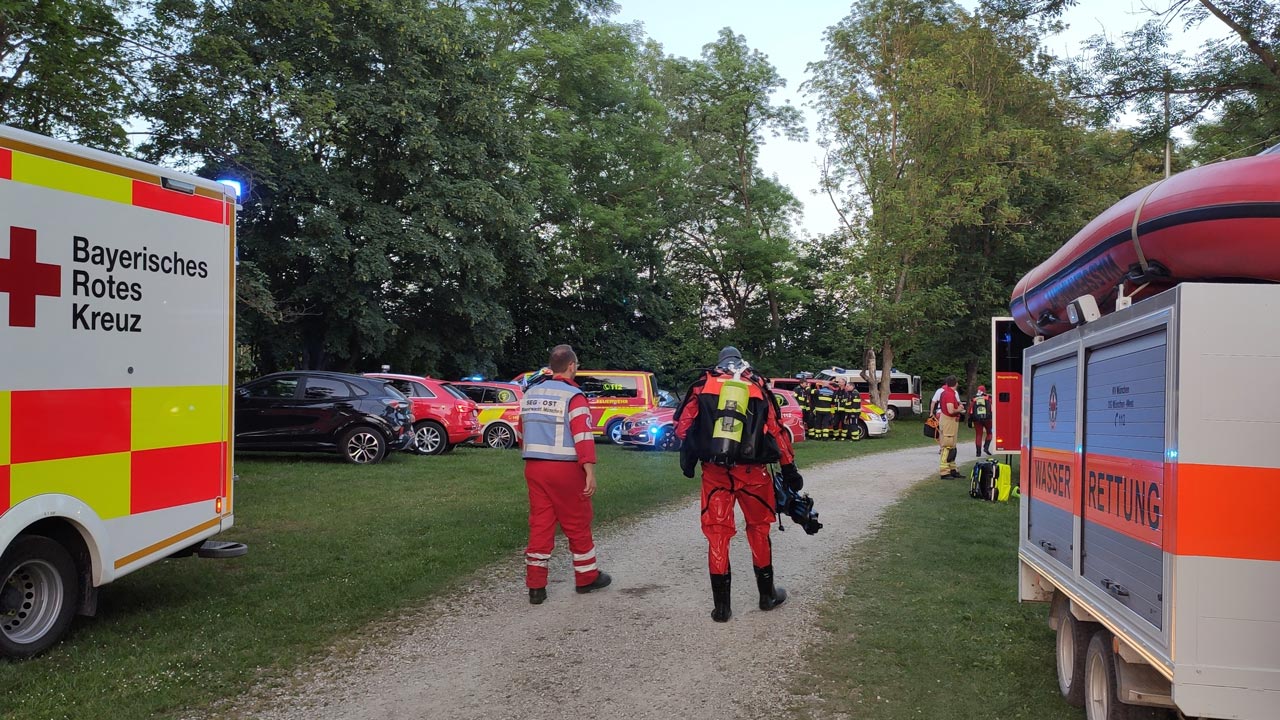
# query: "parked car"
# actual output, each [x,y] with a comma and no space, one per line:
[792,415]
[443,416]
[362,418]
[656,428]
[499,406]
[614,396]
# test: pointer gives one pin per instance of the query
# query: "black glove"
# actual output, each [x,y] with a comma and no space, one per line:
[791,476]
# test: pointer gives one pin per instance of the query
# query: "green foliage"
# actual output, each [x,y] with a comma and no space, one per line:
[382,210]
[67,67]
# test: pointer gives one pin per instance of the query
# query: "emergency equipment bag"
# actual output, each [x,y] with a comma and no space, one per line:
[991,480]
[931,428]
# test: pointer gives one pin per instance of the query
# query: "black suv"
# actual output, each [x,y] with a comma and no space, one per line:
[360,417]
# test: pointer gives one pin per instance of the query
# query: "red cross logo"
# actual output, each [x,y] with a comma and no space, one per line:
[24,278]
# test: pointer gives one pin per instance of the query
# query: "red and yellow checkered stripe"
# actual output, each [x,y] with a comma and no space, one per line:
[105,182]
[121,451]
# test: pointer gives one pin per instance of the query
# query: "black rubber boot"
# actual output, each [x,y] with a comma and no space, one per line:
[987,447]
[720,595]
[770,597]
[537,596]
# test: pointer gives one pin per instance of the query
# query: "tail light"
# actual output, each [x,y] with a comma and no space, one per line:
[396,404]
[463,409]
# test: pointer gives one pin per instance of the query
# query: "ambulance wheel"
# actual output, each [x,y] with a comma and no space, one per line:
[429,438]
[858,431]
[1101,701]
[614,432]
[38,587]
[363,446]
[1072,642]
[500,436]
[891,413]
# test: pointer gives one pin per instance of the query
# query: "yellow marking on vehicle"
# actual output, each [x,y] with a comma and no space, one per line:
[172,416]
[57,175]
[100,481]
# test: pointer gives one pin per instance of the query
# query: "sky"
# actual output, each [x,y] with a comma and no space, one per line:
[791,35]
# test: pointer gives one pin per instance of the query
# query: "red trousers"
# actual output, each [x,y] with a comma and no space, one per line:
[555,496]
[980,426]
[752,488]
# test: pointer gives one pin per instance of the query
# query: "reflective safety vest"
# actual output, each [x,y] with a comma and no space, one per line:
[544,417]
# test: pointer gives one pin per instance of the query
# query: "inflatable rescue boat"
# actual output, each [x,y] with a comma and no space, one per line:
[1215,222]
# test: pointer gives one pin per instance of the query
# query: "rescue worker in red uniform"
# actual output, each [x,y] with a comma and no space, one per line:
[735,471]
[980,421]
[559,451]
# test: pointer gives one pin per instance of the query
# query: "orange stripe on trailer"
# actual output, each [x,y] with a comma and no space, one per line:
[6,164]
[167,542]
[1228,512]
[155,197]
[169,477]
[48,424]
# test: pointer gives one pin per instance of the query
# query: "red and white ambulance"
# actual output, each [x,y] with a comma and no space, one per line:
[117,291]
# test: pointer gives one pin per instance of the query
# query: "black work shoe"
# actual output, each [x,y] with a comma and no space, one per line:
[602,580]
[537,595]
[953,475]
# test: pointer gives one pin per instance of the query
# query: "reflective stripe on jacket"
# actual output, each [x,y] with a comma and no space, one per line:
[545,416]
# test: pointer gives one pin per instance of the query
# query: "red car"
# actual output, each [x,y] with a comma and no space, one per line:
[499,405]
[656,428]
[443,417]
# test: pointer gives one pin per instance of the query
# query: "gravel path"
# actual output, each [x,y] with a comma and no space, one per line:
[643,648]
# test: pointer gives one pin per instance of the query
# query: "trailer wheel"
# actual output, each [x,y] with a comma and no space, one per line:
[38,587]
[1101,701]
[363,446]
[1072,644]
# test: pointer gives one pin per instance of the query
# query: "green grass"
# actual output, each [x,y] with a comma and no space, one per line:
[334,548]
[927,624]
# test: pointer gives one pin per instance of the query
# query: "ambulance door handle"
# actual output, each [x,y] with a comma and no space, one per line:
[1048,546]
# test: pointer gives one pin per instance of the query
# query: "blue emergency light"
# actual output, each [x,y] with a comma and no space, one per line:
[233,184]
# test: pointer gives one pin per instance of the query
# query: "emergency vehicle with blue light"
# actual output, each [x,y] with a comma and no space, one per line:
[117,291]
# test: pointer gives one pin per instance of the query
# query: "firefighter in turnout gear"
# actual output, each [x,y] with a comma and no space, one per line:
[559,453]
[730,423]
[805,400]
[851,407]
[839,427]
[824,409]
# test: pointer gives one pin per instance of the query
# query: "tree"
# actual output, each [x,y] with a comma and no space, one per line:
[67,68]
[733,225]
[1231,81]
[382,214]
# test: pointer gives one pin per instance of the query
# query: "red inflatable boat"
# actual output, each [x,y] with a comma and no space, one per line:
[1215,222]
